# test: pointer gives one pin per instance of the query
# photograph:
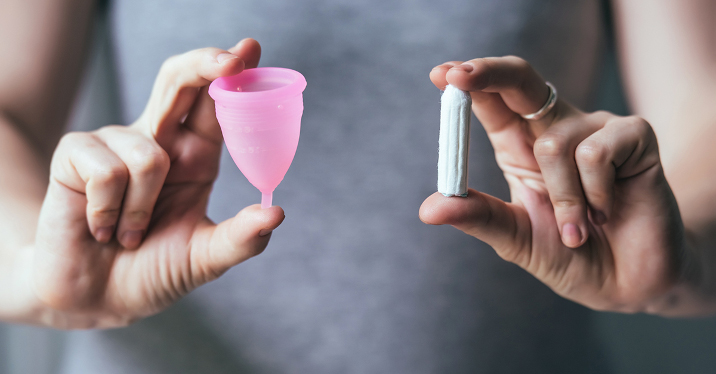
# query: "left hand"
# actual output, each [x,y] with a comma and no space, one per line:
[123,231]
[592,215]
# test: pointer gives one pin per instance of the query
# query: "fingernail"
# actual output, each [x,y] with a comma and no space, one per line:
[466,67]
[104,234]
[131,239]
[265,232]
[571,235]
[225,57]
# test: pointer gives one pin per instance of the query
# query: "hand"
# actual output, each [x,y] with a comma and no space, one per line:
[123,231]
[591,216]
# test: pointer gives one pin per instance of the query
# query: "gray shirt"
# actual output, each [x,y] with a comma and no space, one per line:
[352,281]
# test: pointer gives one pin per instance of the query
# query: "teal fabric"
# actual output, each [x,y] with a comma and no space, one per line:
[352,281]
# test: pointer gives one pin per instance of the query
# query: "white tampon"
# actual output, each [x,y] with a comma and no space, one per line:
[455,110]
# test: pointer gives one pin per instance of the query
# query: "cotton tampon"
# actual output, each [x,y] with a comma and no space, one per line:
[455,110]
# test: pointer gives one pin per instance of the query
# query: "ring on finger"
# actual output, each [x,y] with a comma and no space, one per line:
[551,100]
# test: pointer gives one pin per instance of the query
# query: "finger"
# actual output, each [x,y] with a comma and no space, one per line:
[249,50]
[504,127]
[493,111]
[85,165]
[624,144]
[216,248]
[202,117]
[503,226]
[177,85]
[148,165]
[437,75]
[555,155]
[521,89]
[503,88]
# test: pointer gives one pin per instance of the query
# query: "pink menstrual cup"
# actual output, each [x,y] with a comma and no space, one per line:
[260,111]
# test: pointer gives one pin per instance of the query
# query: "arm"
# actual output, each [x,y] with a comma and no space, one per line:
[668,57]
[42,50]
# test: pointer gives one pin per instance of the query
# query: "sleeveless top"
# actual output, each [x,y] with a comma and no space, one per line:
[352,281]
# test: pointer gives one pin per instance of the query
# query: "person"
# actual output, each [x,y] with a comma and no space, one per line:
[353,281]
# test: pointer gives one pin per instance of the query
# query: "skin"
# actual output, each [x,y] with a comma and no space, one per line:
[147,186]
[42,63]
[669,68]
[120,231]
[592,215]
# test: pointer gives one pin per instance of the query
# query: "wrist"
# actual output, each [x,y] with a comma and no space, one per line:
[18,300]
[694,290]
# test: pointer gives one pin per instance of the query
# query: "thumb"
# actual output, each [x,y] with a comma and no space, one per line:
[503,226]
[249,50]
[217,248]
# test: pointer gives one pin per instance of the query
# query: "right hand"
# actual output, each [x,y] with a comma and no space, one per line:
[592,214]
[123,231]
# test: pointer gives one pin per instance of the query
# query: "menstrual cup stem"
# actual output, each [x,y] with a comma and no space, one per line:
[266,198]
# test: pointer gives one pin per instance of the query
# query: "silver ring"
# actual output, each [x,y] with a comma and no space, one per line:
[551,100]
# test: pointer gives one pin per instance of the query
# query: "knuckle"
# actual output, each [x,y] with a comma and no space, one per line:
[169,70]
[598,196]
[484,68]
[520,63]
[601,116]
[206,52]
[72,139]
[73,148]
[103,213]
[175,64]
[109,130]
[66,147]
[110,174]
[169,65]
[640,126]
[149,160]
[551,145]
[632,123]
[591,153]
[523,69]
[566,202]
[486,63]
[136,216]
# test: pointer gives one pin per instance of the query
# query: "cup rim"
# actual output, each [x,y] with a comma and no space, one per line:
[296,87]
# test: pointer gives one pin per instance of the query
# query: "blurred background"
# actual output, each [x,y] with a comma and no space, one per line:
[634,343]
